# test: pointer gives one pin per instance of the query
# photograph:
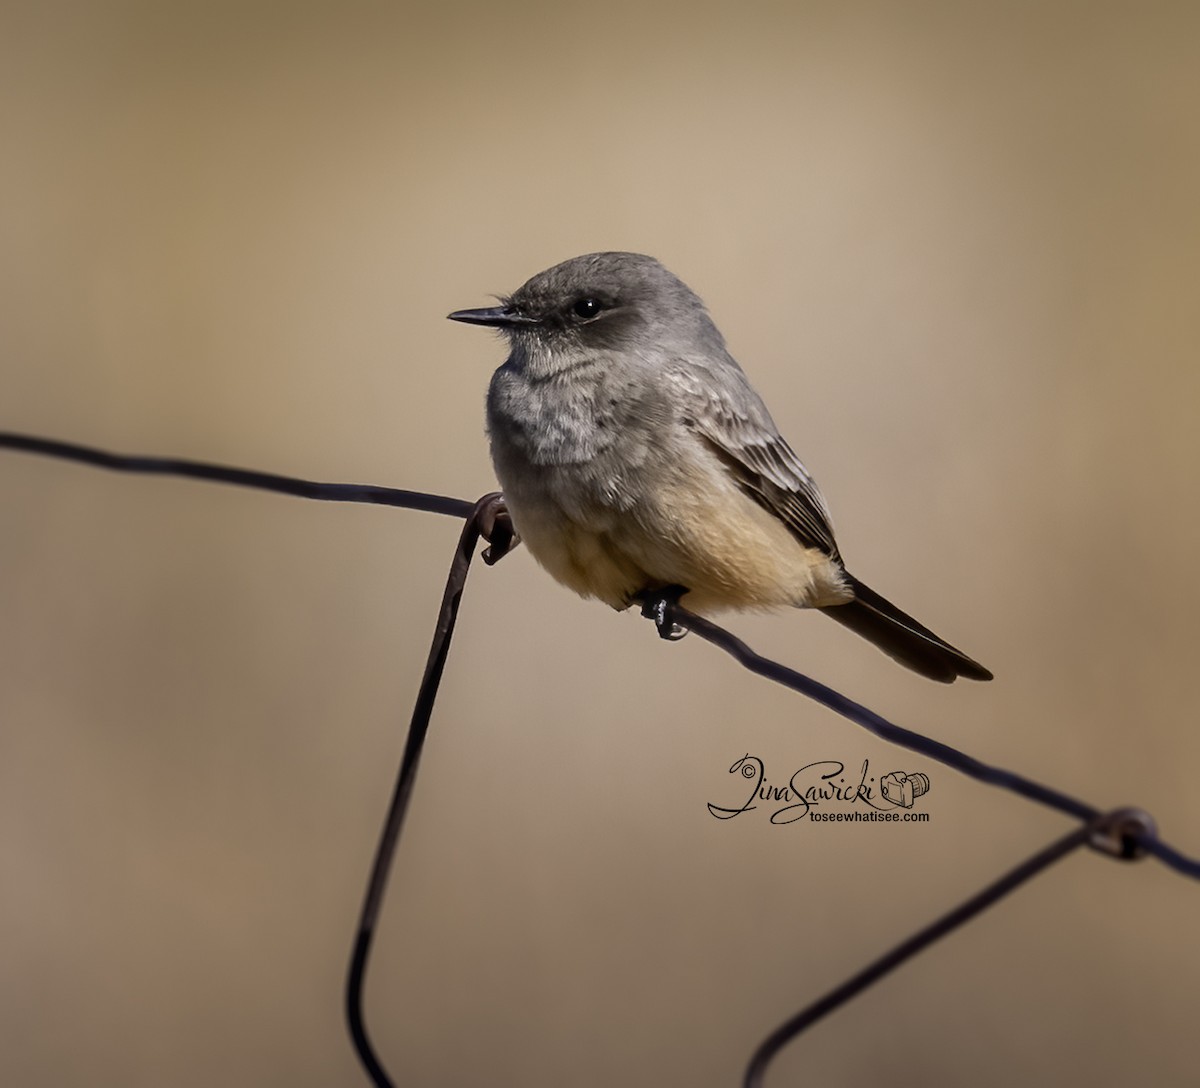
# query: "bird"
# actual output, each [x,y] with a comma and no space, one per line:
[635,458]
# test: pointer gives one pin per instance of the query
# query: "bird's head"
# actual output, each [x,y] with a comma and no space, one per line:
[597,304]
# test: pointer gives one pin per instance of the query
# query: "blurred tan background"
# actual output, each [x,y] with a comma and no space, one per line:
[955,246]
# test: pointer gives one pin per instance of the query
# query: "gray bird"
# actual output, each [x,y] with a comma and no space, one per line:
[635,456]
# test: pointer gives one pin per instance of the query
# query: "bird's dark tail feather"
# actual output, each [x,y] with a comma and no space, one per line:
[903,639]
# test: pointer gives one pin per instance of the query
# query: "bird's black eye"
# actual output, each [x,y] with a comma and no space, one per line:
[585,308]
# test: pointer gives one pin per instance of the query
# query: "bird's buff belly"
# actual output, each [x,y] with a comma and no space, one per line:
[727,550]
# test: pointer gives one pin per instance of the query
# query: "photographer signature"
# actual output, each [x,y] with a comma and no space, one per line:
[820,782]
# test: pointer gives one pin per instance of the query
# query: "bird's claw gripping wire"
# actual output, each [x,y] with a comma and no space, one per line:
[659,605]
[496,527]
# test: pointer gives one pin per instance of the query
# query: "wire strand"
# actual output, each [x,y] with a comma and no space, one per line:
[240,477]
[885,964]
[443,632]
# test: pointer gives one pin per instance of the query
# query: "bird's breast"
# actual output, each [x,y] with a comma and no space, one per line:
[545,423]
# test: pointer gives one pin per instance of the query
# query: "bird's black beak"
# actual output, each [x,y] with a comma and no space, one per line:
[497,317]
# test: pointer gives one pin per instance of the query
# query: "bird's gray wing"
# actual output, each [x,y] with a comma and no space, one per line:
[719,404]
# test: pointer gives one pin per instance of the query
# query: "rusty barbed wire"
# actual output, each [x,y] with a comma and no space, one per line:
[1126,833]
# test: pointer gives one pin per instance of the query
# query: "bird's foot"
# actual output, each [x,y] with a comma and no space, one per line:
[659,605]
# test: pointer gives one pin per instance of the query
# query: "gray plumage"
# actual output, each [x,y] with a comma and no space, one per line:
[635,455]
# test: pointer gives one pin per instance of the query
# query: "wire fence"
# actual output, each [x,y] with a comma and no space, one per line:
[1125,833]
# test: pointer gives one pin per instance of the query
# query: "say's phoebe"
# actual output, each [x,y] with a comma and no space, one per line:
[635,456]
